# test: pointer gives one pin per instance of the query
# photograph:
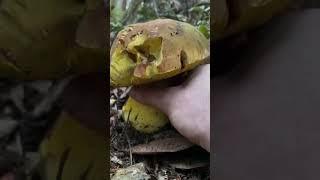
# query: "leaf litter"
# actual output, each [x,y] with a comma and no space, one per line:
[166,154]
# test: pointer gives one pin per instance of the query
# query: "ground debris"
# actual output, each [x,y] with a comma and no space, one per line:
[172,144]
[136,171]
[164,165]
[27,108]
[115,159]
[7,126]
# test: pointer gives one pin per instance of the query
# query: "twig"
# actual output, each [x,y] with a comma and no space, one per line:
[124,5]
[130,151]
[19,144]
[202,4]
[125,93]
[129,144]
[156,7]
[133,6]
[187,8]
[53,94]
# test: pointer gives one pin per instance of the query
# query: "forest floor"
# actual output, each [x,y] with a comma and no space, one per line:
[188,163]
[27,110]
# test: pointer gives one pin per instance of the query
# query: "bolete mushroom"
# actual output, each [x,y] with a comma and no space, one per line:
[148,52]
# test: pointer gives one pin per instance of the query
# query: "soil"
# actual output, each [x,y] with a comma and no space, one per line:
[124,137]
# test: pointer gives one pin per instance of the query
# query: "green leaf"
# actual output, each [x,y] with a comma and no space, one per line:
[204,30]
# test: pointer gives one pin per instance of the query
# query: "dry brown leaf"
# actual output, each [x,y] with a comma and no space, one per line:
[172,144]
[136,171]
[189,163]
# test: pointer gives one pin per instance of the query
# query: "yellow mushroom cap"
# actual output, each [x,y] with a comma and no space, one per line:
[155,50]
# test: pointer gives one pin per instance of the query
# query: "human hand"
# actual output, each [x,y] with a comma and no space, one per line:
[187,105]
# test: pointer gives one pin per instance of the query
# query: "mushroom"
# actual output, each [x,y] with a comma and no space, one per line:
[149,52]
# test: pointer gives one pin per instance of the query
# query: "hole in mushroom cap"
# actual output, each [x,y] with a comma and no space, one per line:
[144,50]
[183,59]
[133,36]
[149,51]
[151,58]
[132,56]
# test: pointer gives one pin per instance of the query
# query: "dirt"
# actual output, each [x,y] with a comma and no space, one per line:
[28,109]
[124,137]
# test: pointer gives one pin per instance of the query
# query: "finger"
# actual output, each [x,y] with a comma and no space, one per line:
[159,98]
[200,70]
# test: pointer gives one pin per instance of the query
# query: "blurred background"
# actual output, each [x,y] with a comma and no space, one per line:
[28,108]
[124,12]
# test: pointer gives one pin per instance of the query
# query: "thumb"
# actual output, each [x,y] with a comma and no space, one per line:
[159,98]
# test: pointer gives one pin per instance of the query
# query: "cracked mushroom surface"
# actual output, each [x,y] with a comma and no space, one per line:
[155,50]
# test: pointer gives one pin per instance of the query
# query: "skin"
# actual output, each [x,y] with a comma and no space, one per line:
[187,105]
[82,98]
